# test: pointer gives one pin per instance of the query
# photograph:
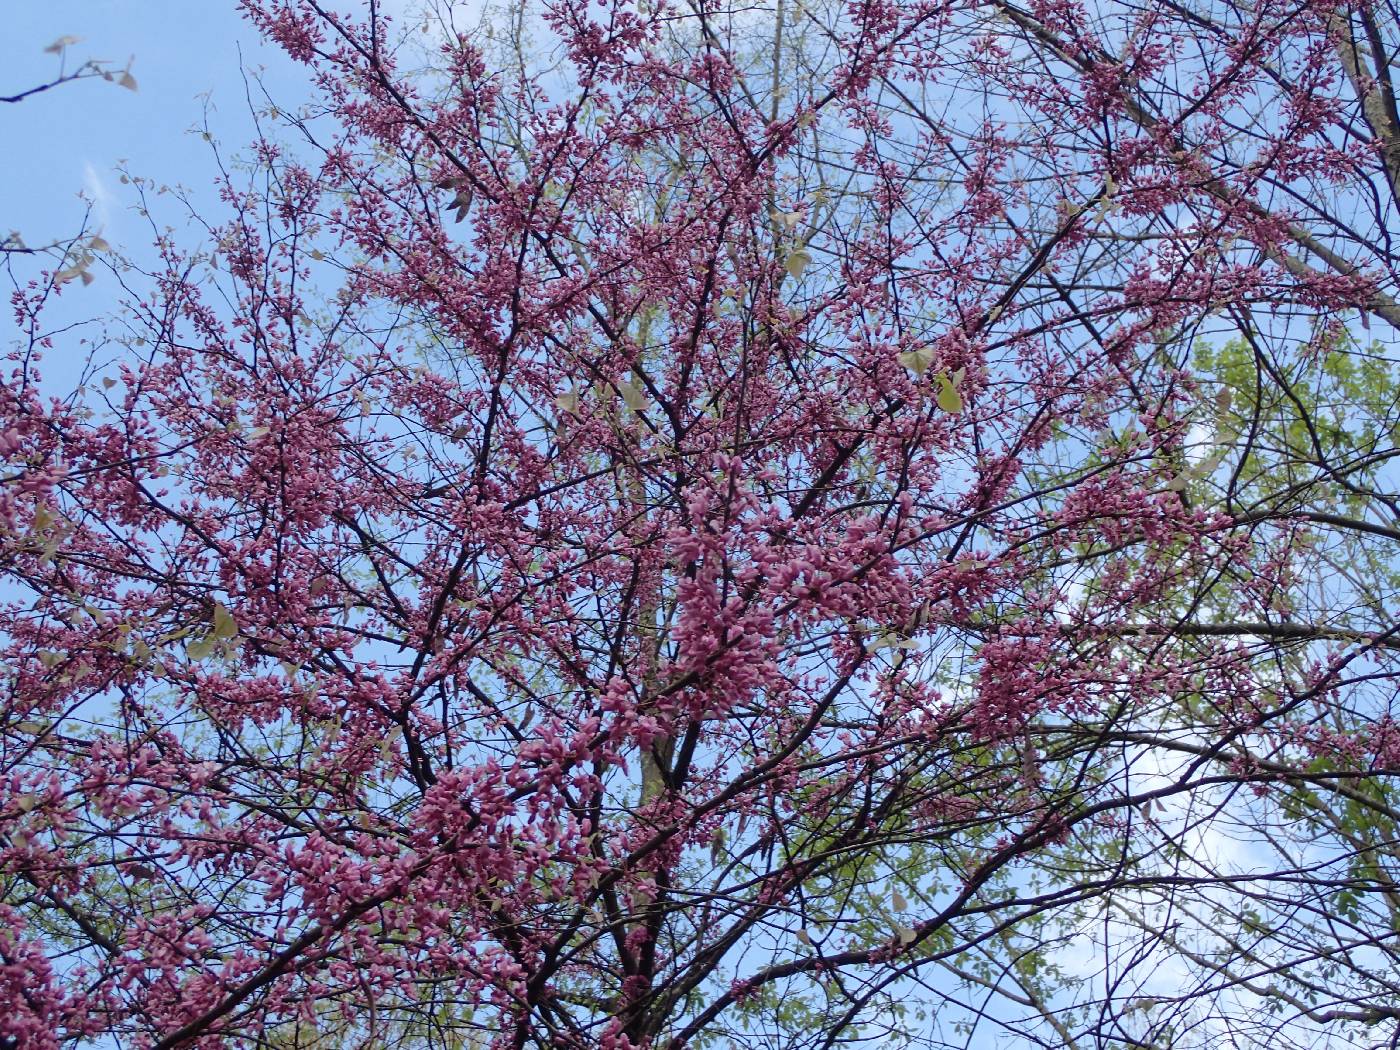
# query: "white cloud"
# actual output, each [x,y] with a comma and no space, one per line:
[95,190]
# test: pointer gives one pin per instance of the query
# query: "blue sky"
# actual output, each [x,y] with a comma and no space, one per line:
[69,140]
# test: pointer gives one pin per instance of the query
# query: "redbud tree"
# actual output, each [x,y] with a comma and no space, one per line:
[689,525]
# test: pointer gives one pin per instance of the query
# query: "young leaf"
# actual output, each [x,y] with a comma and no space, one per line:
[917,361]
[462,204]
[797,261]
[390,739]
[69,274]
[225,626]
[890,641]
[633,396]
[948,397]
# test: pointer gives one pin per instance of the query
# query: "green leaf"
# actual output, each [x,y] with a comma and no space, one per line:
[225,626]
[948,397]
[917,361]
[797,261]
